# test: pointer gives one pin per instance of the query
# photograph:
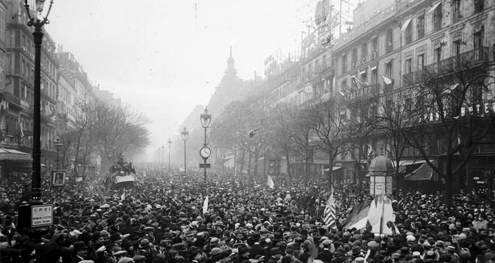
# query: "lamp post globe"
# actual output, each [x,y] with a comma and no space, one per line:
[205,118]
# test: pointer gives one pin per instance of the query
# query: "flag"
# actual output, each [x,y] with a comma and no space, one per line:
[205,205]
[381,216]
[358,217]
[21,128]
[329,213]
[122,197]
[386,80]
[270,182]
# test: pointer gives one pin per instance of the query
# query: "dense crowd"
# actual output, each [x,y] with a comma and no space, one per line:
[162,220]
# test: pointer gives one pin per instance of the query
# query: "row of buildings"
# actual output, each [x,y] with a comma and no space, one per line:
[64,83]
[387,50]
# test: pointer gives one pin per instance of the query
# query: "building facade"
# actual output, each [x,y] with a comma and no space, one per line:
[383,59]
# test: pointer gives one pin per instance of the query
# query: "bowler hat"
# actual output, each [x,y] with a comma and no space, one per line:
[242,249]
[144,243]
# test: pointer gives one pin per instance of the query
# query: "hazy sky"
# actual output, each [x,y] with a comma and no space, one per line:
[165,57]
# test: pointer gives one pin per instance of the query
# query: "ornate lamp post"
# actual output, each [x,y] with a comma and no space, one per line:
[205,152]
[184,135]
[37,22]
[169,145]
[58,144]
[162,156]
[35,216]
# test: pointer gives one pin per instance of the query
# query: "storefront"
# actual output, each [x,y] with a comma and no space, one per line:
[15,166]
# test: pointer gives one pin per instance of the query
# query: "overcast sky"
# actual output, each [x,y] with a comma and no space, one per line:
[165,57]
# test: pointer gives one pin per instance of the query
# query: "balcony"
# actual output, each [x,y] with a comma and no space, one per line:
[365,92]
[13,99]
[459,62]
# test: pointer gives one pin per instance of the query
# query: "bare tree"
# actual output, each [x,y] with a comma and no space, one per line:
[450,116]
[329,124]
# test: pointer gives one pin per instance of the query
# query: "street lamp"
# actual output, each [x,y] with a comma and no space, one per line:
[37,22]
[35,216]
[169,144]
[162,156]
[205,152]
[184,134]
[58,144]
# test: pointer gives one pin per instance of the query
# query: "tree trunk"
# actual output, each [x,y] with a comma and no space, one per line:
[255,172]
[330,168]
[448,181]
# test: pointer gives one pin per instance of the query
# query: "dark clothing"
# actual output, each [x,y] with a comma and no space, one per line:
[325,256]
[256,250]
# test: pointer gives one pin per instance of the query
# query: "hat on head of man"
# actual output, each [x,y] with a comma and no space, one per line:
[242,249]
[80,245]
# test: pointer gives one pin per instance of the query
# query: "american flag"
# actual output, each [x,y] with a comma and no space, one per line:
[329,213]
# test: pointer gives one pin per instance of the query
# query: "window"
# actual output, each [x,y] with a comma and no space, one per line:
[479,6]
[354,58]
[421,61]
[437,18]
[456,52]
[2,26]
[374,48]
[409,33]
[364,82]
[389,69]
[407,77]
[438,54]
[456,9]
[344,63]
[343,86]
[364,53]
[478,44]
[408,66]
[389,41]
[420,25]
[388,73]
[374,75]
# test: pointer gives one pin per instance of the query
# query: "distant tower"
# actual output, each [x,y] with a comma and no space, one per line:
[230,65]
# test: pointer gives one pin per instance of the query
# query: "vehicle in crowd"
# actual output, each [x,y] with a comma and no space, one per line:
[121,175]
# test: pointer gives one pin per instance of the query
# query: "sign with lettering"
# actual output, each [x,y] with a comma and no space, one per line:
[41,215]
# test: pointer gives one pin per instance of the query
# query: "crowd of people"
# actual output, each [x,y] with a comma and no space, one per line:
[163,219]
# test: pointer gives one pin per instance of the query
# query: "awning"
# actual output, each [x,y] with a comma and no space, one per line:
[14,155]
[333,169]
[409,162]
[434,7]
[423,173]
[406,23]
